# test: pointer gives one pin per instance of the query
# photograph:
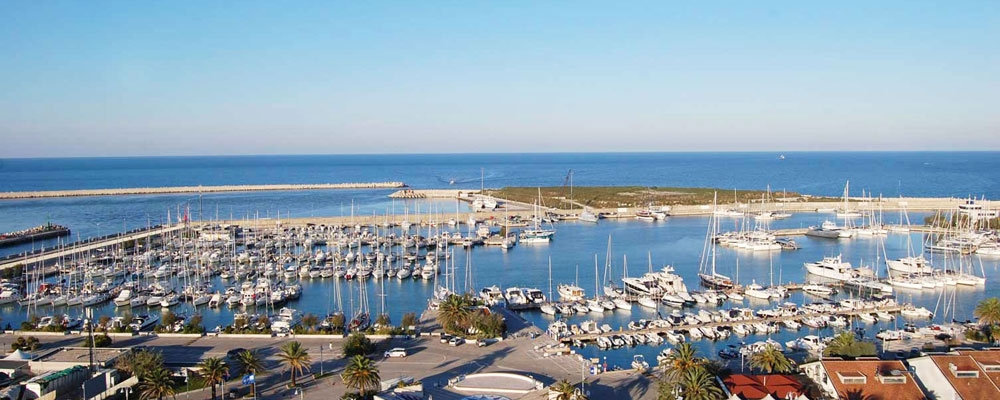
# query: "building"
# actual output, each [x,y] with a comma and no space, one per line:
[961,374]
[863,379]
[757,387]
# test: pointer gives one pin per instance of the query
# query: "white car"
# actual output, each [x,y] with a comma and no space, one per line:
[396,352]
[455,341]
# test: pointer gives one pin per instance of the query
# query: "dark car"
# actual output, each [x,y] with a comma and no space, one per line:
[232,354]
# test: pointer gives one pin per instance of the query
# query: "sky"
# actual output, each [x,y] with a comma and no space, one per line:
[194,78]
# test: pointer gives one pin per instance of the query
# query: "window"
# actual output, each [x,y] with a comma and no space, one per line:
[991,367]
[966,374]
[887,380]
[852,378]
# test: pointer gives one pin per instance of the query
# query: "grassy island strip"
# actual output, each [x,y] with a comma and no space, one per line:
[634,196]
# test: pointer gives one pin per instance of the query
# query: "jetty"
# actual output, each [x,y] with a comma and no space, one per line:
[197,189]
[584,337]
[44,257]
[46,231]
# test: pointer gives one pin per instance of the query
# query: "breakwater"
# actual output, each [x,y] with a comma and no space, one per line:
[197,189]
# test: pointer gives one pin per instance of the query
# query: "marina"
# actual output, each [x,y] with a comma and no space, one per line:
[285,269]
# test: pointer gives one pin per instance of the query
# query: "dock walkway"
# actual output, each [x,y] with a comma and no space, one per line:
[70,250]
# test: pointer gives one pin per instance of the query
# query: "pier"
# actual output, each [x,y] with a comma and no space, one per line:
[196,189]
[68,251]
[660,330]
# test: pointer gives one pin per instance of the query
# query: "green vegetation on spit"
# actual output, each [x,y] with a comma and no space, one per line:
[634,196]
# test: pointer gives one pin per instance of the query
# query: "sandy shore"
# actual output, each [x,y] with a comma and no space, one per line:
[195,189]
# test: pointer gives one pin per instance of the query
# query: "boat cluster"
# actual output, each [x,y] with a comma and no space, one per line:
[720,324]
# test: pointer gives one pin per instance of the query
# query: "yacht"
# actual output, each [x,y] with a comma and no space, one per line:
[491,295]
[515,296]
[569,292]
[833,268]
[588,216]
[911,265]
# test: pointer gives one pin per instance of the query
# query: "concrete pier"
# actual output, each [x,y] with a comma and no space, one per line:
[196,189]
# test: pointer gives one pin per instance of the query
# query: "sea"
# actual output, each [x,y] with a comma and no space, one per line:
[635,245]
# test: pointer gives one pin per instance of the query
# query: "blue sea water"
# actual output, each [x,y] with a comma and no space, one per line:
[958,174]
[677,241]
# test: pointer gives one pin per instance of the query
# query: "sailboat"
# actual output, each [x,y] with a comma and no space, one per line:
[712,278]
[537,234]
[845,211]
[548,308]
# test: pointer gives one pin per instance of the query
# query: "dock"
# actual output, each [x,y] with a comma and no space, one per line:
[47,256]
[593,336]
[197,189]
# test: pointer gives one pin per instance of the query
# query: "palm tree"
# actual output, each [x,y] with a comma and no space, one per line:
[361,374]
[698,384]
[296,357]
[988,311]
[157,384]
[563,390]
[454,312]
[682,359]
[213,371]
[994,334]
[249,363]
[770,360]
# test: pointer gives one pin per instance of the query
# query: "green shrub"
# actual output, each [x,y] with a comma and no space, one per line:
[357,344]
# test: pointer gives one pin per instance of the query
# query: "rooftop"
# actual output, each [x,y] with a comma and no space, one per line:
[752,387]
[877,379]
[79,355]
[965,376]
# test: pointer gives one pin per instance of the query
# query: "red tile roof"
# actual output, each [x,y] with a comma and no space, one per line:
[752,387]
[978,387]
[873,386]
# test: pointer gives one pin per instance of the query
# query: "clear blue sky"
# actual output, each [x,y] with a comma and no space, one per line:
[81,78]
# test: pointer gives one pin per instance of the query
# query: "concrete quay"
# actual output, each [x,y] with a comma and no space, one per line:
[196,189]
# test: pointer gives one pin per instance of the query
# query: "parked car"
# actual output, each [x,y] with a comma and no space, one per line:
[396,352]
[455,341]
[445,338]
[232,354]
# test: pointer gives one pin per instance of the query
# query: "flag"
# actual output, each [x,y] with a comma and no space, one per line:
[249,379]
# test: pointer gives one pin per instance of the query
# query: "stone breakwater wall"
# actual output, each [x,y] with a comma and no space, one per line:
[197,189]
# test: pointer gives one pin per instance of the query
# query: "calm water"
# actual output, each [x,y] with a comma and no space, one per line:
[677,242]
[891,174]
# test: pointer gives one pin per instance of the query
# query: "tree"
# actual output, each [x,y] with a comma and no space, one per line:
[988,311]
[296,357]
[157,384]
[382,320]
[361,374]
[409,319]
[213,371]
[357,344]
[698,384]
[682,359]
[249,363]
[566,391]
[453,314]
[99,341]
[846,345]
[309,321]
[139,363]
[336,321]
[770,360]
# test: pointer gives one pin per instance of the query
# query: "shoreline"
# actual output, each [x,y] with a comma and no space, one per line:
[196,189]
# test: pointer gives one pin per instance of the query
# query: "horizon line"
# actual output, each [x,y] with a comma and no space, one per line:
[776,152]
